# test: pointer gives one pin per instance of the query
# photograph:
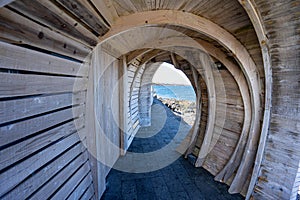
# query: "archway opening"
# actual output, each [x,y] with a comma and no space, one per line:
[174,89]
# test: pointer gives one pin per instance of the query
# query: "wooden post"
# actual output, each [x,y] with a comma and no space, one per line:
[123,92]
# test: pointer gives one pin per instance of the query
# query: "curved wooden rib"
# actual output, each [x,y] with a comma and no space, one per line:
[263,40]
[235,71]
[196,125]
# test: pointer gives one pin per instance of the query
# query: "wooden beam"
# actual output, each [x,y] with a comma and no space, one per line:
[107,10]
[86,13]
[174,61]
[123,100]
[136,54]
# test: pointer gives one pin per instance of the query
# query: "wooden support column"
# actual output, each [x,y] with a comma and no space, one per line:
[123,92]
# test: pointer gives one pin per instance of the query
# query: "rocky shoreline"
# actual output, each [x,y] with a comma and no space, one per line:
[183,108]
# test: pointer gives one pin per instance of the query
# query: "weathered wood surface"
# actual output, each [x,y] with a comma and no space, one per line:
[59,28]
[20,30]
[106,9]
[23,60]
[33,183]
[19,151]
[103,133]
[39,12]
[18,173]
[85,12]
[123,90]
[12,85]
[283,127]
[22,108]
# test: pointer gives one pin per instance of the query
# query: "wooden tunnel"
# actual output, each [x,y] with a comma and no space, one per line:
[75,87]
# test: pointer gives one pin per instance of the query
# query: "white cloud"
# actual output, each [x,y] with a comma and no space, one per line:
[168,74]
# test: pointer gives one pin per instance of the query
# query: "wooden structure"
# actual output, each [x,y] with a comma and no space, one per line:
[75,81]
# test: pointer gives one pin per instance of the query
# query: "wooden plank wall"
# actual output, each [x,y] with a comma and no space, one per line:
[281,158]
[44,74]
[42,114]
[103,108]
[135,72]
[145,96]
[229,121]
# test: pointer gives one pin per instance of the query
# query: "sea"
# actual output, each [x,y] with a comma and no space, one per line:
[180,92]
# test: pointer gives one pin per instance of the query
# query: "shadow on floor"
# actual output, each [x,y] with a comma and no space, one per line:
[179,180]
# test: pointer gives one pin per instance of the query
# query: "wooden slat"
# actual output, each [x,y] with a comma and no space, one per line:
[21,150]
[33,183]
[39,12]
[70,185]
[18,173]
[57,181]
[20,30]
[81,188]
[24,84]
[85,12]
[107,10]
[18,58]
[89,193]
[17,131]
[21,108]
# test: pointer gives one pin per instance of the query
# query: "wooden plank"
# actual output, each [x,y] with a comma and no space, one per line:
[13,132]
[18,58]
[123,101]
[21,108]
[85,12]
[107,10]
[39,12]
[80,163]
[28,147]
[24,84]
[33,183]
[20,172]
[70,185]
[89,193]
[81,188]
[20,30]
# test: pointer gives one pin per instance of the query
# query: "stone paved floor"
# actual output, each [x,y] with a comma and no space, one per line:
[179,180]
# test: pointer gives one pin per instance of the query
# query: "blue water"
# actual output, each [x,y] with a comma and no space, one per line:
[181,92]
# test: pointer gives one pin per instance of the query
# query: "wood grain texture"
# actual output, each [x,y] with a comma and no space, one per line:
[39,12]
[42,176]
[21,150]
[23,60]
[16,131]
[20,30]
[20,172]
[24,84]
[22,108]
[86,13]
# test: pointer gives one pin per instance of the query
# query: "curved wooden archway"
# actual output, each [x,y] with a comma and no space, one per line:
[190,21]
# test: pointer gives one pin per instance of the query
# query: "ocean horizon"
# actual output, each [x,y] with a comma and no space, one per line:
[174,91]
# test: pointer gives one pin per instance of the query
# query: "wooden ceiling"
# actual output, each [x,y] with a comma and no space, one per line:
[85,21]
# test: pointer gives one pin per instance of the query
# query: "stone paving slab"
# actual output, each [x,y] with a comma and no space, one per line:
[179,180]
